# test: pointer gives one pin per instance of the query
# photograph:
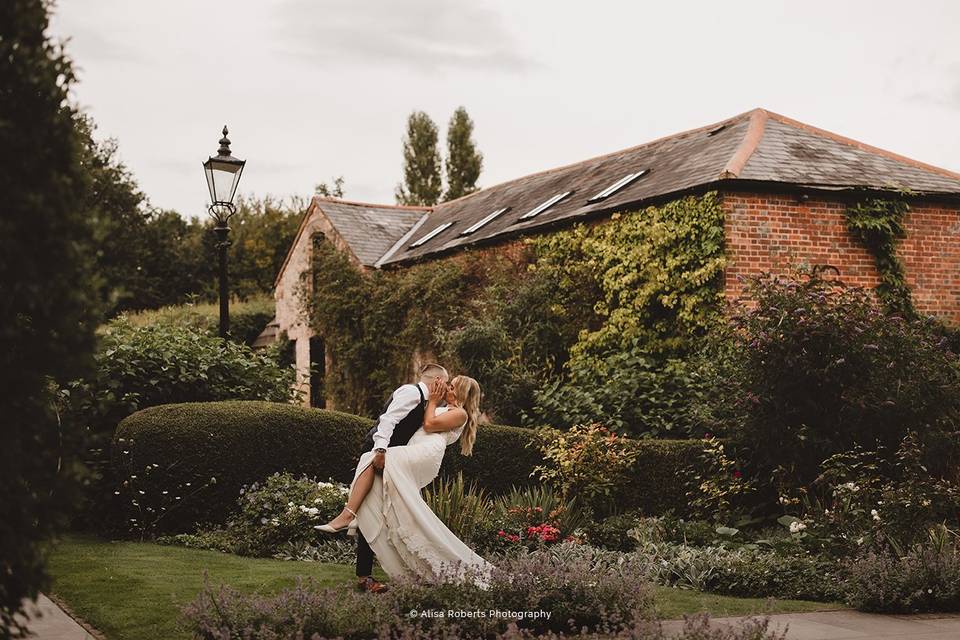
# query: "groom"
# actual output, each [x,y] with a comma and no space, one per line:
[400,420]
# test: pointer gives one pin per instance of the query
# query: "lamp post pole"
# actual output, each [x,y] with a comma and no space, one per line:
[222,230]
[223,174]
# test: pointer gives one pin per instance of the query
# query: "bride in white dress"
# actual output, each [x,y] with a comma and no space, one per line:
[406,536]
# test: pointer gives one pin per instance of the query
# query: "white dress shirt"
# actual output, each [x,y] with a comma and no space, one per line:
[404,400]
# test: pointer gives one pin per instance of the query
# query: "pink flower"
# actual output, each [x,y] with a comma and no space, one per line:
[737,474]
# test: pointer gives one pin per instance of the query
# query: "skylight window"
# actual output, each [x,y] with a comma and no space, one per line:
[543,206]
[476,227]
[430,235]
[619,184]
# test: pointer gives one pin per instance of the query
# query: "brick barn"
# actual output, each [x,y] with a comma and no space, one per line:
[784,187]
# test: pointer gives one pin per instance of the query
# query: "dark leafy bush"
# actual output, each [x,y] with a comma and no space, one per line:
[629,391]
[613,532]
[811,367]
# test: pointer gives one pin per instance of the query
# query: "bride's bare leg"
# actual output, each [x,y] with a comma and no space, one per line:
[360,490]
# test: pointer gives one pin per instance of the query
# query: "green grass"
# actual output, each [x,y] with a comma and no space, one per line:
[134,590]
[673,603]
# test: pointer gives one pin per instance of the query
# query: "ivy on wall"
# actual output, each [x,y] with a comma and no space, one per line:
[659,273]
[879,225]
[536,328]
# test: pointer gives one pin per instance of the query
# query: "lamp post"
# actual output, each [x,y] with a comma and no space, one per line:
[223,174]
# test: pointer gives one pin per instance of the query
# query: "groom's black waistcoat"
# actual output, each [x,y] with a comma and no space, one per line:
[407,426]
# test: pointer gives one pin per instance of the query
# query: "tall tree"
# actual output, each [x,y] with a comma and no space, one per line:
[48,303]
[422,183]
[464,162]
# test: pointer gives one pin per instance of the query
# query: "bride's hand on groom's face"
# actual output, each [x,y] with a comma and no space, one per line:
[438,390]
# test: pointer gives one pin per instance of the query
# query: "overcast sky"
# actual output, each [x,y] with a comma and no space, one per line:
[313,89]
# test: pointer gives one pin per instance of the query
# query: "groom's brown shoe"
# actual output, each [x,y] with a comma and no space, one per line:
[370,585]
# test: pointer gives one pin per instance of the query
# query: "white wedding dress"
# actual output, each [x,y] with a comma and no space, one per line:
[404,533]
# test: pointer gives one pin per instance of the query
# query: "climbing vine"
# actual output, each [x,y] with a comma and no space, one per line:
[879,225]
[535,327]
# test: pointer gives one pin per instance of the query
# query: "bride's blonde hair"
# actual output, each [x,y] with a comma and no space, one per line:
[468,395]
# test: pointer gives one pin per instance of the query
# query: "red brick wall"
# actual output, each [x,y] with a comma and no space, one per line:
[769,232]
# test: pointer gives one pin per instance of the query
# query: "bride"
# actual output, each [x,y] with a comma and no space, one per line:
[406,536]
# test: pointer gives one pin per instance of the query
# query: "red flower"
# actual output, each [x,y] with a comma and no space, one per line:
[737,474]
[539,509]
[501,533]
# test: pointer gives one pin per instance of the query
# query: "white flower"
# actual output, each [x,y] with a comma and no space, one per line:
[164,492]
[860,540]
[929,590]
[143,493]
[116,493]
[796,526]
[133,477]
[188,484]
[318,501]
[925,502]
[263,521]
[876,516]
[290,504]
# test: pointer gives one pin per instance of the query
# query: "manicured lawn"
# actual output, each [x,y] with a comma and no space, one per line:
[134,591]
[673,603]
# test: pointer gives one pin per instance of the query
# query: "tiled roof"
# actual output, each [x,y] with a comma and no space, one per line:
[755,146]
[370,230]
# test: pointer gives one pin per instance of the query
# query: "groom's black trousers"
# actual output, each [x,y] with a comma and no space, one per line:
[364,557]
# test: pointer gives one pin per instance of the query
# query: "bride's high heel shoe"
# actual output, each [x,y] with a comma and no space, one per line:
[326,528]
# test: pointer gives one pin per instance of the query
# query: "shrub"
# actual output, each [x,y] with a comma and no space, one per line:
[461,506]
[567,586]
[587,461]
[243,442]
[613,532]
[237,443]
[812,367]
[532,517]
[138,367]
[925,578]
[247,317]
[629,390]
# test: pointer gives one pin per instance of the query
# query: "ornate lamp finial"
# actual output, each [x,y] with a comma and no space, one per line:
[224,149]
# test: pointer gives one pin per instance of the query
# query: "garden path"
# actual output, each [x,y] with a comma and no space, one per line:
[848,624]
[47,621]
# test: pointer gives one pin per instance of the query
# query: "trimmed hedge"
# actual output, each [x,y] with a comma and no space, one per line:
[240,442]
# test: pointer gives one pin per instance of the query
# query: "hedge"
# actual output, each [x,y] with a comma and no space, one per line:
[240,442]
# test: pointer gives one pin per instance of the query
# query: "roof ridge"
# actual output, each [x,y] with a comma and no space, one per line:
[610,154]
[863,146]
[357,203]
[751,139]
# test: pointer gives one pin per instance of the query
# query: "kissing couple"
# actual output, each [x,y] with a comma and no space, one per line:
[403,453]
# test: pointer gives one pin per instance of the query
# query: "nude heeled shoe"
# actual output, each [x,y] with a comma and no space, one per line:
[326,528]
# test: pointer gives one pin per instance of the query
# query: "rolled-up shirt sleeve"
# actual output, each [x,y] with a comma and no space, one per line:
[404,400]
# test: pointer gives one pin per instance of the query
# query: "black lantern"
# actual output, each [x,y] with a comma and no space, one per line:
[223,175]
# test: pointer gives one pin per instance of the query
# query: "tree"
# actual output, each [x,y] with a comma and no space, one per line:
[422,183]
[332,190]
[464,162]
[48,304]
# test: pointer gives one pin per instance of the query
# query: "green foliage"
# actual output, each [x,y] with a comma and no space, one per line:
[247,317]
[879,225]
[48,305]
[461,506]
[283,509]
[464,162]
[138,367]
[421,163]
[654,279]
[587,461]
[332,190]
[812,367]
[924,578]
[659,272]
[373,323]
[632,392]
[242,442]
[871,500]
[236,442]
[717,483]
